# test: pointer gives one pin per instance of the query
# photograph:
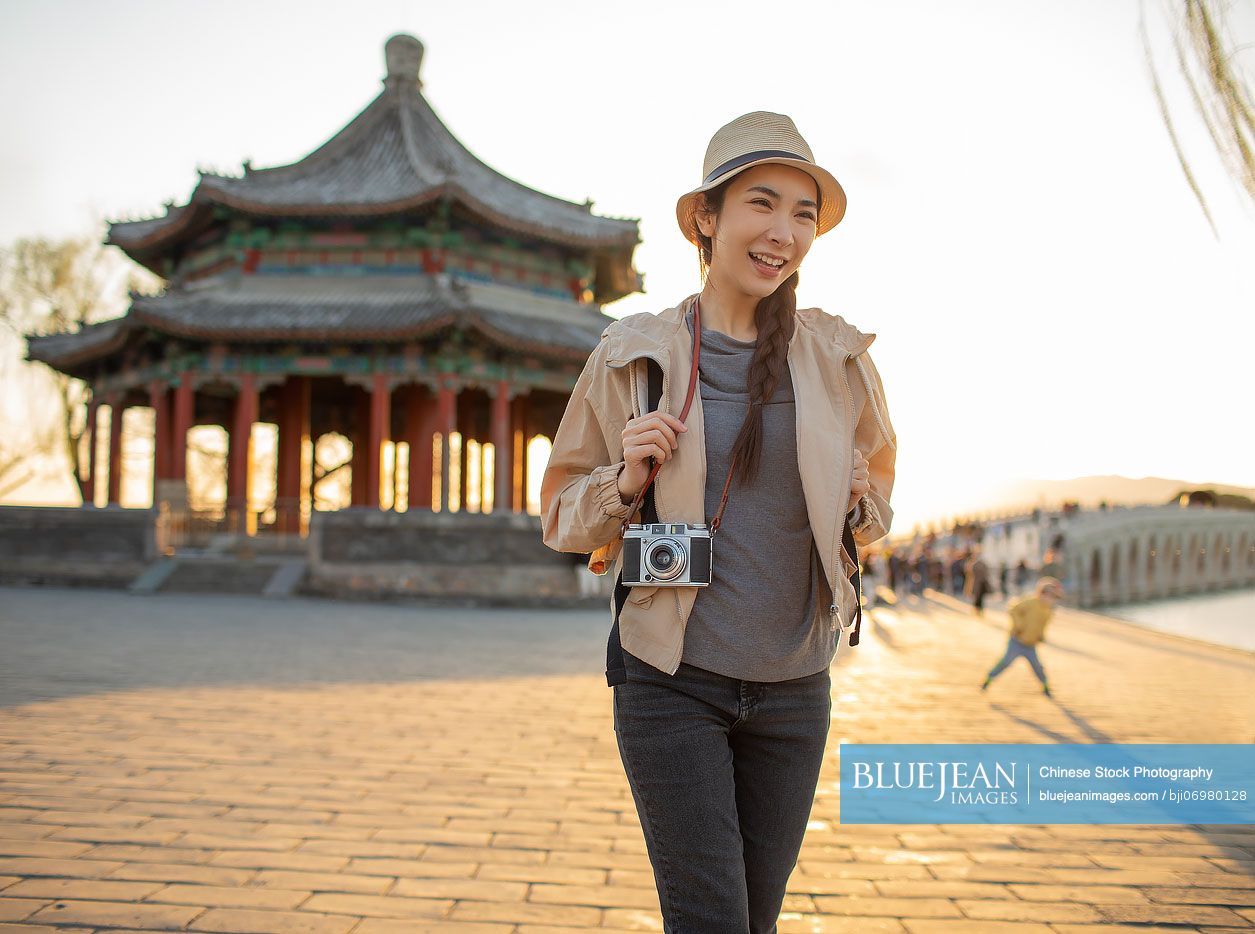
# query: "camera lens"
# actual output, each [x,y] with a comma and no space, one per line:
[664,559]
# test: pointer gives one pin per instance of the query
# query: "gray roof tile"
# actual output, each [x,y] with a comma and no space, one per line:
[341,308]
[394,155]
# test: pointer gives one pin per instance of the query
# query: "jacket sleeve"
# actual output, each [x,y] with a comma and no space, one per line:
[1015,612]
[875,437]
[579,494]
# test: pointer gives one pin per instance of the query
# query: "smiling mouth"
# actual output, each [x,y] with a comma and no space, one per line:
[765,264]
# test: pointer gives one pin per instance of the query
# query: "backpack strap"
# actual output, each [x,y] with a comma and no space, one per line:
[856,578]
[616,672]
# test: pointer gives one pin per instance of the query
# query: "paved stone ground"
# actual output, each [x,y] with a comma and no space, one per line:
[236,764]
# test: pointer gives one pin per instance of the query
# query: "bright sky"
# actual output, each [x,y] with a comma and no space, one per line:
[1049,300]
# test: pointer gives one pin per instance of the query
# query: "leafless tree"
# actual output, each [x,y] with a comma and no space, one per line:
[1207,59]
[53,287]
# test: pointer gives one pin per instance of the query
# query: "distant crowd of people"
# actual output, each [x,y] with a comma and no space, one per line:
[958,572]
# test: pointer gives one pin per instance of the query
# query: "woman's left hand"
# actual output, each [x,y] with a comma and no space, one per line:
[860,481]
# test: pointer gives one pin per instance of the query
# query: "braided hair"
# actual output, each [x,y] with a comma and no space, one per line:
[775,320]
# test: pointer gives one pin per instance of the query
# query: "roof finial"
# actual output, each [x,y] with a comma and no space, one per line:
[404,56]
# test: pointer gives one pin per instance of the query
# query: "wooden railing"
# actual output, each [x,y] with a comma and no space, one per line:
[229,529]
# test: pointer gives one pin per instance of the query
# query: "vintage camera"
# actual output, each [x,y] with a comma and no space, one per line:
[667,554]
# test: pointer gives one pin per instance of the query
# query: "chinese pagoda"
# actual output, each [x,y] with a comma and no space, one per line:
[388,286]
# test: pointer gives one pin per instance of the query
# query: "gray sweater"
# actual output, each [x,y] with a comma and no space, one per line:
[754,620]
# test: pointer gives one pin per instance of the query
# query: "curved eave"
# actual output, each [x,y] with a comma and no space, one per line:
[473,319]
[68,352]
[203,199]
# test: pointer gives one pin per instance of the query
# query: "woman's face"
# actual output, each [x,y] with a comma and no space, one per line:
[770,210]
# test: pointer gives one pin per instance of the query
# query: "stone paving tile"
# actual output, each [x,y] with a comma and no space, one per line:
[176,872]
[15,909]
[236,920]
[970,926]
[424,869]
[379,906]
[83,888]
[117,914]
[479,889]
[797,923]
[75,868]
[456,771]
[229,896]
[527,912]
[1134,929]
[989,910]
[1171,914]
[920,907]
[1086,894]
[322,882]
[384,926]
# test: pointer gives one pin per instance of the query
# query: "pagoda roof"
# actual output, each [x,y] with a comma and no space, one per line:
[395,155]
[342,308]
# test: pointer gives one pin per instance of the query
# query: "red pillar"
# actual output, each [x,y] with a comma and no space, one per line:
[184,413]
[446,420]
[241,431]
[520,454]
[420,425]
[89,482]
[293,432]
[503,449]
[116,409]
[380,428]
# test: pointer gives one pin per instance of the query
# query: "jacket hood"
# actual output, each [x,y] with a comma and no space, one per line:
[646,332]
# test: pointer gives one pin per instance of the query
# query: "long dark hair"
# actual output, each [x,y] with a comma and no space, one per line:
[774,319]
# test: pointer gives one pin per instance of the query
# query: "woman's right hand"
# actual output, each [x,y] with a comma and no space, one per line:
[652,435]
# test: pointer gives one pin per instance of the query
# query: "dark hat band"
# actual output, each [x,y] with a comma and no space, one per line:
[751,157]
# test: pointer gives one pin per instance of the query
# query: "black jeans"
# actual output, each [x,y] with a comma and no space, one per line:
[723,772]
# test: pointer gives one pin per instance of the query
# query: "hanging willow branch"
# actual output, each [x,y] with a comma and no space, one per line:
[1219,93]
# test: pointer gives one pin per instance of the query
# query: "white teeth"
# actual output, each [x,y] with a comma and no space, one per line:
[767,260]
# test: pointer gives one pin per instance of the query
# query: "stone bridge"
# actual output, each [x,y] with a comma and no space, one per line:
[1148,552]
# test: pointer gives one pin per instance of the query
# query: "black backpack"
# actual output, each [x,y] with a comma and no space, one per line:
[616,672]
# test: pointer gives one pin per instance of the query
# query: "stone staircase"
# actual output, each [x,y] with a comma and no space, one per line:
[227,566]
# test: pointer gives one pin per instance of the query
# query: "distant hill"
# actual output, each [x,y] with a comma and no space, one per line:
[1024,492]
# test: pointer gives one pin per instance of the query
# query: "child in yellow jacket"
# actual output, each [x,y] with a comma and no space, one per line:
[1029,617]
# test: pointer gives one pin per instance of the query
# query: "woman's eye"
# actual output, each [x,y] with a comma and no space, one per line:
[763,201]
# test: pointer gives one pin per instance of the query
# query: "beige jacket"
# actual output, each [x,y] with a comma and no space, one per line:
[840,405]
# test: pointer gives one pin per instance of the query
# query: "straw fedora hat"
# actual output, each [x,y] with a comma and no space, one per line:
[753,139]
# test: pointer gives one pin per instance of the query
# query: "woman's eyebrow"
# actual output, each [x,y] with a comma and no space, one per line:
[804,202]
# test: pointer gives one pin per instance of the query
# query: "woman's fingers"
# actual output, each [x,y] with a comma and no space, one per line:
[638,430]
[638,453]
[669,424]
[673,421]
[860,479]
[658,421]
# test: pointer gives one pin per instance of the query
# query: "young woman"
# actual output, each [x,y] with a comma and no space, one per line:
[723,700]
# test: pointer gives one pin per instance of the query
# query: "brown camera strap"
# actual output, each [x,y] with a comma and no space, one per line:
[688,402]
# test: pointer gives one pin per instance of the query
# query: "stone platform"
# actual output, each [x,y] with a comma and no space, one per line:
[186,763]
